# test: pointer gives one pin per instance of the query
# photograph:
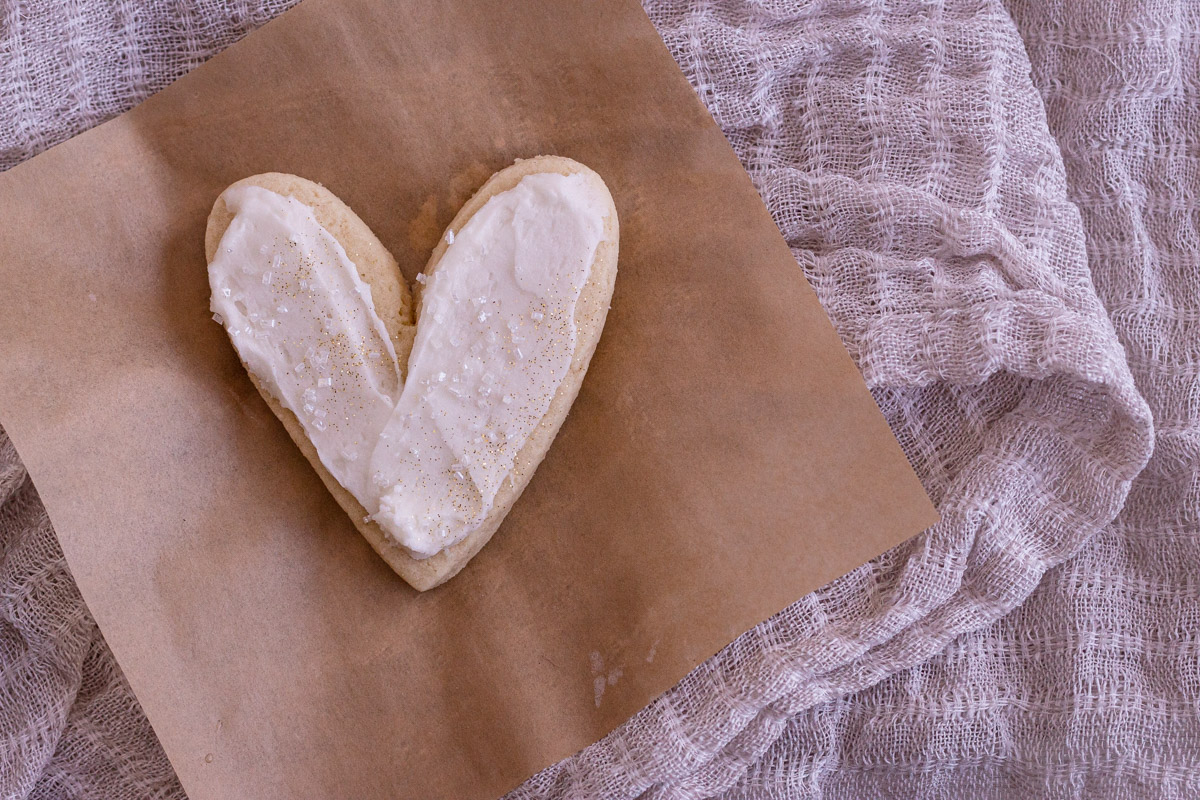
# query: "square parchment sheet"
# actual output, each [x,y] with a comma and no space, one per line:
[723,459]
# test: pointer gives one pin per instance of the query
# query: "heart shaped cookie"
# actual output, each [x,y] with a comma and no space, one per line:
[425,419]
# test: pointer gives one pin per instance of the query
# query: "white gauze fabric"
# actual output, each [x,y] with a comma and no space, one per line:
[1091,688]
[907,158]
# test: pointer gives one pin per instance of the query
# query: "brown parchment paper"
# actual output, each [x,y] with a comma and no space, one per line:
[723,457]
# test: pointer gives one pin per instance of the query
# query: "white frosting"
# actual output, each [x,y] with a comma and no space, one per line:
[304,323]
[425,455]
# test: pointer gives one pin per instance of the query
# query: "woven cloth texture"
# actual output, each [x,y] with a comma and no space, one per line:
[995,206]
